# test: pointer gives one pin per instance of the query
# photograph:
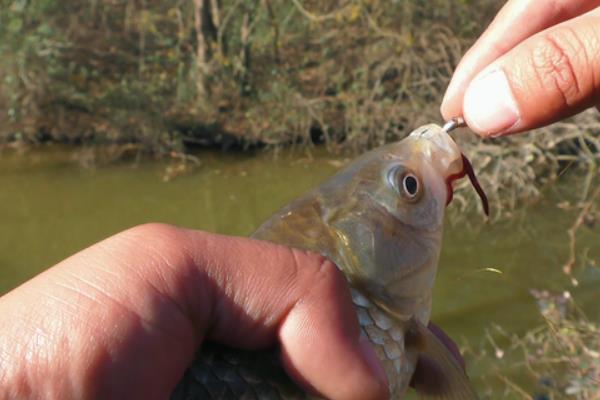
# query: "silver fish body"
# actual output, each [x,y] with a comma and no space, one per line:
[380,220]
[224,373]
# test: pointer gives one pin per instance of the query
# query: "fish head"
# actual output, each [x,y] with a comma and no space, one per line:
[394,231]
[416,175]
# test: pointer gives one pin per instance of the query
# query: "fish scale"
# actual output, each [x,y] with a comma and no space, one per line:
[223,373]
[387,339]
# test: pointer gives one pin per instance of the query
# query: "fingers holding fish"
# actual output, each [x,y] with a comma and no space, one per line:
[124,318]
[320,351]
[265,294]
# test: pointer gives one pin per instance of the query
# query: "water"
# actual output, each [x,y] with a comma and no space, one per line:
[50,208]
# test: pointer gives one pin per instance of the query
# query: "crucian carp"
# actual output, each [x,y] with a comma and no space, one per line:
[380,220]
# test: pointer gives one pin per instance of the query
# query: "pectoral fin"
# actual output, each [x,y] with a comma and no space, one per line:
[444,378]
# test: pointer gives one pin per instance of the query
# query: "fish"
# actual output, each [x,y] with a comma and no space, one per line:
[380,220]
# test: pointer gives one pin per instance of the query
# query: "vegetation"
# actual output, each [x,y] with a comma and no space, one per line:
[163,74]
[559,359]
[561,355]
[161,77]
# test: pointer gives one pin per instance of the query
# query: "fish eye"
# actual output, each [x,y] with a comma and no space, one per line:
[405,182]
[410,184]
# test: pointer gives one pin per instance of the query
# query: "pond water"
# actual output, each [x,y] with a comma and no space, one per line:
[50,208]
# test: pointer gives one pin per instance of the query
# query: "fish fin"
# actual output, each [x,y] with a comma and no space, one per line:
[446,378]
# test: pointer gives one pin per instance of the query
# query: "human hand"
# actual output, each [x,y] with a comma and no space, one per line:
[124,317]
[538,62]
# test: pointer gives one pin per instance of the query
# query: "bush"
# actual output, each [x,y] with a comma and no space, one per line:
[151,72]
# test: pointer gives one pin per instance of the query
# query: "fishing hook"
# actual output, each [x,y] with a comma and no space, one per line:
[456,122]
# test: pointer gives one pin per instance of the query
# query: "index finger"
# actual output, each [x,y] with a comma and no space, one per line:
[516,21]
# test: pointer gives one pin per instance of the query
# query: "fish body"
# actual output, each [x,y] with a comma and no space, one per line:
[380,220]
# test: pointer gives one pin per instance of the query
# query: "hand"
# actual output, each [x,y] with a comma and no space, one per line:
[124,317]
[538,62]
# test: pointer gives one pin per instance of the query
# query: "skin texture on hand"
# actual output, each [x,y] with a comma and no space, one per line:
[538,62]
[123,318]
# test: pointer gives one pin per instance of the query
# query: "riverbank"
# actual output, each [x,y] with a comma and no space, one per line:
[512,170]
[135,81]
[232,74]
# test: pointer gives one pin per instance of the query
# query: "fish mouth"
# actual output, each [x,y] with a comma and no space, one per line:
[467,170]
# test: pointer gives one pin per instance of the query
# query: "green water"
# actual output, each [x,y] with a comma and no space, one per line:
[50,208]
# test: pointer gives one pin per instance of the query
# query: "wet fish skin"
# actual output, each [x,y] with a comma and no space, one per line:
[387,245]
[224,373]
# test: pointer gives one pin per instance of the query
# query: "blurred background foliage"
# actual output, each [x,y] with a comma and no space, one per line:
[229,72]
[162,78]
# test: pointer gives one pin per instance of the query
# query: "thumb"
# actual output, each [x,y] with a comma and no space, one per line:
[123,318]
[550,76]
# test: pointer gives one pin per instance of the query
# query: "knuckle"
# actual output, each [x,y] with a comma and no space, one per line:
[323,268]
[153,230]
[558,60]
[153,238]
[316,272]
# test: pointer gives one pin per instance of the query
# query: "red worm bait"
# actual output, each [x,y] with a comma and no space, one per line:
[468,171]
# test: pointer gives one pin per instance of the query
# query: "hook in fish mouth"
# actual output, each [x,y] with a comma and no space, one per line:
[468,171]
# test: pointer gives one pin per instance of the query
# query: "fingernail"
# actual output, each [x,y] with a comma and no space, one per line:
[374,364]
[489,105]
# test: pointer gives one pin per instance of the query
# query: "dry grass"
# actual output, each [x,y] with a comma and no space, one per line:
[353,74]
[559,359]
[562,355]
